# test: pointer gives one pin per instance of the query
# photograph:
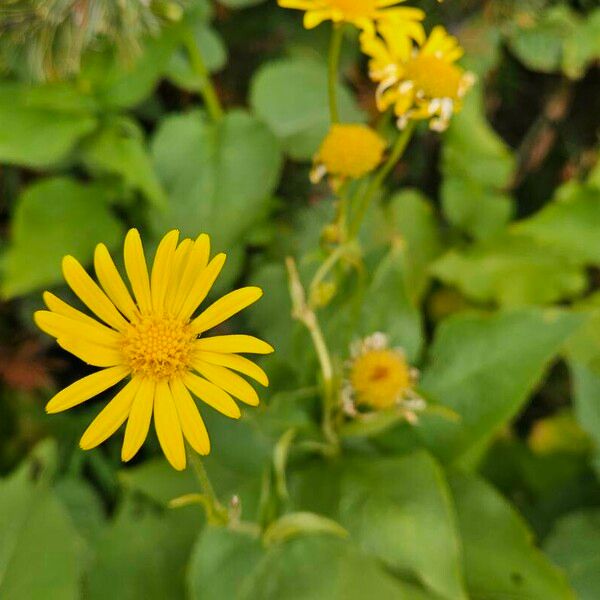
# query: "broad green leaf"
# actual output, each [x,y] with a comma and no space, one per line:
[512,270]
[388,307]
[484,367]
[568,225]
[290,95]
[40,127]
[399,509]
[41,553]
[52,218]
[218,176]
[500,560]
[143,553]
[477,167]
[326,568]
[574,545]
[119,148]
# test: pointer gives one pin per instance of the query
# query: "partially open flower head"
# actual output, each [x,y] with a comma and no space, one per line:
[148,335]
[380,378]
[421,80]
[349,151]
[360,13]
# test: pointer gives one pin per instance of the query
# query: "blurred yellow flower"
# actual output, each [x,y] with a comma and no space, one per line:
[348,151]
[380,377]
[153,339]
[360,13]
[421,82]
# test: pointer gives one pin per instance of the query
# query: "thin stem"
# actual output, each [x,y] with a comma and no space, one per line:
[216,513]
[335,48]
[303,313]
[365,200]
[211,99]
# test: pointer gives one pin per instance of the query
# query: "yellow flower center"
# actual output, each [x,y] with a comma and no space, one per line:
[157,347]
[433,77]
[351,151]
[380,378]
[355,9]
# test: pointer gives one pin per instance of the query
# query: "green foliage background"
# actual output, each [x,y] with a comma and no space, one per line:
[482,260]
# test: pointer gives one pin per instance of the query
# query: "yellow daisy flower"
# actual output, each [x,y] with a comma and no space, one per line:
[421,82]
[360,13]
[349,151]
[380,378]
[153,340]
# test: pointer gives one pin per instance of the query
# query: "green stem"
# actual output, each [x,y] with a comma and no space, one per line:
[211,99]
[216,513]
[365,200]
[302,312]
[335,48]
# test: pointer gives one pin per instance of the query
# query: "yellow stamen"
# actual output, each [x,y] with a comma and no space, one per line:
[433,77]
[158,347]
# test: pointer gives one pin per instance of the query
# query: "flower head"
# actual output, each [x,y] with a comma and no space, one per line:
[361,13]
[380,378]
[349,151]
[152,339]
[421,82]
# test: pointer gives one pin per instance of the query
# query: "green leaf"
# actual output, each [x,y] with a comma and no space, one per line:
[484,367]
[290,95]
[219,176]
[295,524]
[326,568]
[52,218]
[119,148]
[40,127]
[575,546]
[387,305]
[399,509]
[512,270]
[569,224]
[477,167]
[143,554]
[41,553]
[500,560]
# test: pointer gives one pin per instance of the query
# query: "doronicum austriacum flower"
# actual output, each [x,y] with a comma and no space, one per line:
[152,339]
[349,151]
[421,80]
[360,13]
[380,378]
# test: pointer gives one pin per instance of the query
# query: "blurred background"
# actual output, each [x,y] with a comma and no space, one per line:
[102,127]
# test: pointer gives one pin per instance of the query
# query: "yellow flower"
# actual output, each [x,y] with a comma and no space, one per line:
[361,13]
[421,82]
[380,378]
[348,151]
[153,340]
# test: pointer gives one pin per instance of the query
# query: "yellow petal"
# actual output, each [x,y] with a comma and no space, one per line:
[234,344]
[55,304]
[113,284]
[201,286]
[180,260]
[196,263]
[225,307]
[161,269]
[59,326]
[212,395]
[168,428]
[90,353]
[192,424]
[229,381]
[137,271]
[111,417]
[138,423]
[237,363]
[86,388]
[91,294]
